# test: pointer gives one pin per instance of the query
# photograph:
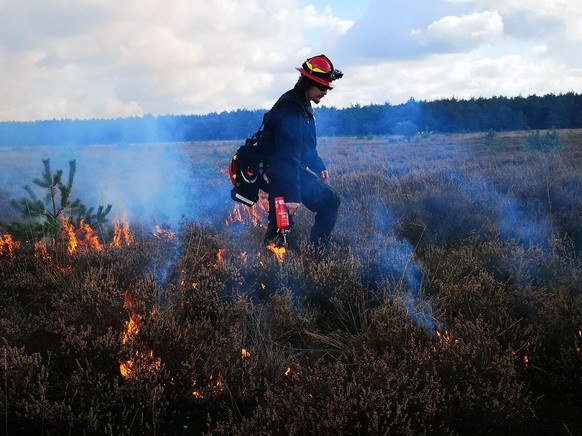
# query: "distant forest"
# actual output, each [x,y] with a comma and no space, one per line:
[445,116]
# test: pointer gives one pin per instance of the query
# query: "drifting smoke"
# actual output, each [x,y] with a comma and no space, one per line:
[397,265]
[149,183]
[489,207]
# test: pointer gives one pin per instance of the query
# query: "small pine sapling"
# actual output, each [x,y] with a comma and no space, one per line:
[42,217]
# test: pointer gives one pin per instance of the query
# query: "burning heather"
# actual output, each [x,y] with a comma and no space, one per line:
[254,216]
[139,360]
[8,246]
[122,233]
[279,252]
[448,301]
[81,237]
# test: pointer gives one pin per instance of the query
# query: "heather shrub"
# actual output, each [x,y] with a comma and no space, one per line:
[427,387]
[482,384]
[447,303]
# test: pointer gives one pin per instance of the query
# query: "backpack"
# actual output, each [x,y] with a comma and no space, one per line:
[245,170]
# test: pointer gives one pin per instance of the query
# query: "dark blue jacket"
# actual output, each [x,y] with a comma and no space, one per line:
[290,144]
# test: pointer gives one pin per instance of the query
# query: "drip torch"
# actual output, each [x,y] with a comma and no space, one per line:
[283,222]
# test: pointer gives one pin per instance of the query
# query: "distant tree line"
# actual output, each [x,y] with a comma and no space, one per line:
[445,115]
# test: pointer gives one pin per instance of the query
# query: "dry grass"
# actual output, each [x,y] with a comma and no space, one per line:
[449,303]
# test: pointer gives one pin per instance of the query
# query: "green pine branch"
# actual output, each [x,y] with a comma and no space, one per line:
[42,218]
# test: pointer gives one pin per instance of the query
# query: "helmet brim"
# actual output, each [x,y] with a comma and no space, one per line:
[315,78]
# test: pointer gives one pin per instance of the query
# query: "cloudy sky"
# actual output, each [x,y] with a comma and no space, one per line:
[110,58]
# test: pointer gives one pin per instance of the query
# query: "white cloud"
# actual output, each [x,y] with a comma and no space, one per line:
[150,56]
[469,75]
[566,12]
[464,32]
[104,58]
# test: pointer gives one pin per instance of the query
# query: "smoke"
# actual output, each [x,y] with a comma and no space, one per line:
[516,223]
[397,266]
[148,183]
[515,220]
[447,208]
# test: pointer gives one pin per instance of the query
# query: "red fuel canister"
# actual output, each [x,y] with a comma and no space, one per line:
[282,213]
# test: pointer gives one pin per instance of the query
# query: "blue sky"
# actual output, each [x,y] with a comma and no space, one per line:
[105,58]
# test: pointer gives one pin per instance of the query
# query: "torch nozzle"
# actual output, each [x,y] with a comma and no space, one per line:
[283,239]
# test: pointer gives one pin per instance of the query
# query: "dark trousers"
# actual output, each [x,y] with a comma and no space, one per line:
[319,198]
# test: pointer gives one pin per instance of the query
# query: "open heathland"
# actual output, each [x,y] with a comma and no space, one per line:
[448,302]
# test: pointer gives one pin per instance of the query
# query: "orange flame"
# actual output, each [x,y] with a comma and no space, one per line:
[215,386]
[141,360]
[219,257]
[280,252]
[245,354]
[6,242]
[445,340]
[159,232]
[90,239]
[41,252]
[134,324]
[288,371]
[219,384]
[131,328]
[84,236]
[234,216]
[69,232]
[122,233]
[250,215]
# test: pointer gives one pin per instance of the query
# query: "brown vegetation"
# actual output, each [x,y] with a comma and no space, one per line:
[449,303]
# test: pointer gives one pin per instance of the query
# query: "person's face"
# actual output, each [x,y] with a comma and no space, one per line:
[316,92]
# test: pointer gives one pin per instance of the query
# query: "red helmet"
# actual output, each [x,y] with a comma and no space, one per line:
[320,69]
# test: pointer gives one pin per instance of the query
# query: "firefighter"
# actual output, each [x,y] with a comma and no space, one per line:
[292,164]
